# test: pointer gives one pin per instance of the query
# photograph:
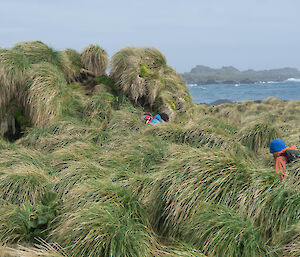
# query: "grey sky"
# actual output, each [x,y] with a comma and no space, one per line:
[259,34]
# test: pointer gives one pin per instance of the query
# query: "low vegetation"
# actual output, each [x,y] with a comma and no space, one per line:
[86,177]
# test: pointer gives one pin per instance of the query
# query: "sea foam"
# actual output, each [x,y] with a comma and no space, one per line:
[293,80]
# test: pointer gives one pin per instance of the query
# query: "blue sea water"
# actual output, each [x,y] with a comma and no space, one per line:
[286,90]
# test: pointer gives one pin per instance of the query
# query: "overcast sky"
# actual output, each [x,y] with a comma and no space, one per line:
[258,34]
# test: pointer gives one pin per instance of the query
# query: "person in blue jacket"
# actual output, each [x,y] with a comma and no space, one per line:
[159,118]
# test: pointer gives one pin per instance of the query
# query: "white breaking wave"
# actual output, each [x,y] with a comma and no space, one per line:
[293,80]
[195,85]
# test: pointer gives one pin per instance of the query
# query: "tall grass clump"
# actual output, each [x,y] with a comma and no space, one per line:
[190,176]
[98,109]
[45,94]
[60,134]
[102,229]
[272,206]
[94,59]
[194,136]
[138,154]
[22,183]
[124,123]
[13,68]
[277,211]
[70,65]
[73,173]
[220,231]
[144,76]
[289,241]
[38,52]
[259,134]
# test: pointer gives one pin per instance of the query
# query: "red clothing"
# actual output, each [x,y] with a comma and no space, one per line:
[281,161]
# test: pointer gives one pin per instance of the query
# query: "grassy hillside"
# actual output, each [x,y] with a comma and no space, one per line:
[82,175]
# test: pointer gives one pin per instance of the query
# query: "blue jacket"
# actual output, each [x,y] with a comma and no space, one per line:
[156,119]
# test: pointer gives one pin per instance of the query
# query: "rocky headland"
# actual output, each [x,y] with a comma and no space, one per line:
[203,75]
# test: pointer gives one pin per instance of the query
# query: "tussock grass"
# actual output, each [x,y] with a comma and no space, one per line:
[220,125]
[98,109]
[60,134]
[70,65]
[259,135]
[143,75]
[16,155]
[219,231]
[75,174]
[13,68]
[44,101]
[278,210]
[4,144]
[126,69]
[22,183]
[38,52]
[228,112]
[123,124]
[294,174]
[271,205]
[94,59]
[24,222]
[105,229]
[190,176]
[106,190]
[139,155]
[44,250]
[90,176]
[272,101]
[175,248]
[77,151]
[289,242]
[198,136]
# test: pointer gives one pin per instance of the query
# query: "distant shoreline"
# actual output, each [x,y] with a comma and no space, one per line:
[203,75]
[233,82]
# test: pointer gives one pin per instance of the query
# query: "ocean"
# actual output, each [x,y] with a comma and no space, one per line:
[286,90]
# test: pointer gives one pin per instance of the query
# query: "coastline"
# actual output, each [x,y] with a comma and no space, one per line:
[236,82]
[217,94]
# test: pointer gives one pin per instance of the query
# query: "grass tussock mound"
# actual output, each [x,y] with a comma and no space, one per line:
[144,76]
[259,135]
[22,183]
[37,51]
[94,59]
[13,68]
[89,178]
[103,229]
[45,83]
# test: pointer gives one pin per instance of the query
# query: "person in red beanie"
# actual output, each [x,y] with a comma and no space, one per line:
[282,155]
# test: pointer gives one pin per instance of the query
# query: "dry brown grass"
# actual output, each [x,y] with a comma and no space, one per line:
[94,59]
